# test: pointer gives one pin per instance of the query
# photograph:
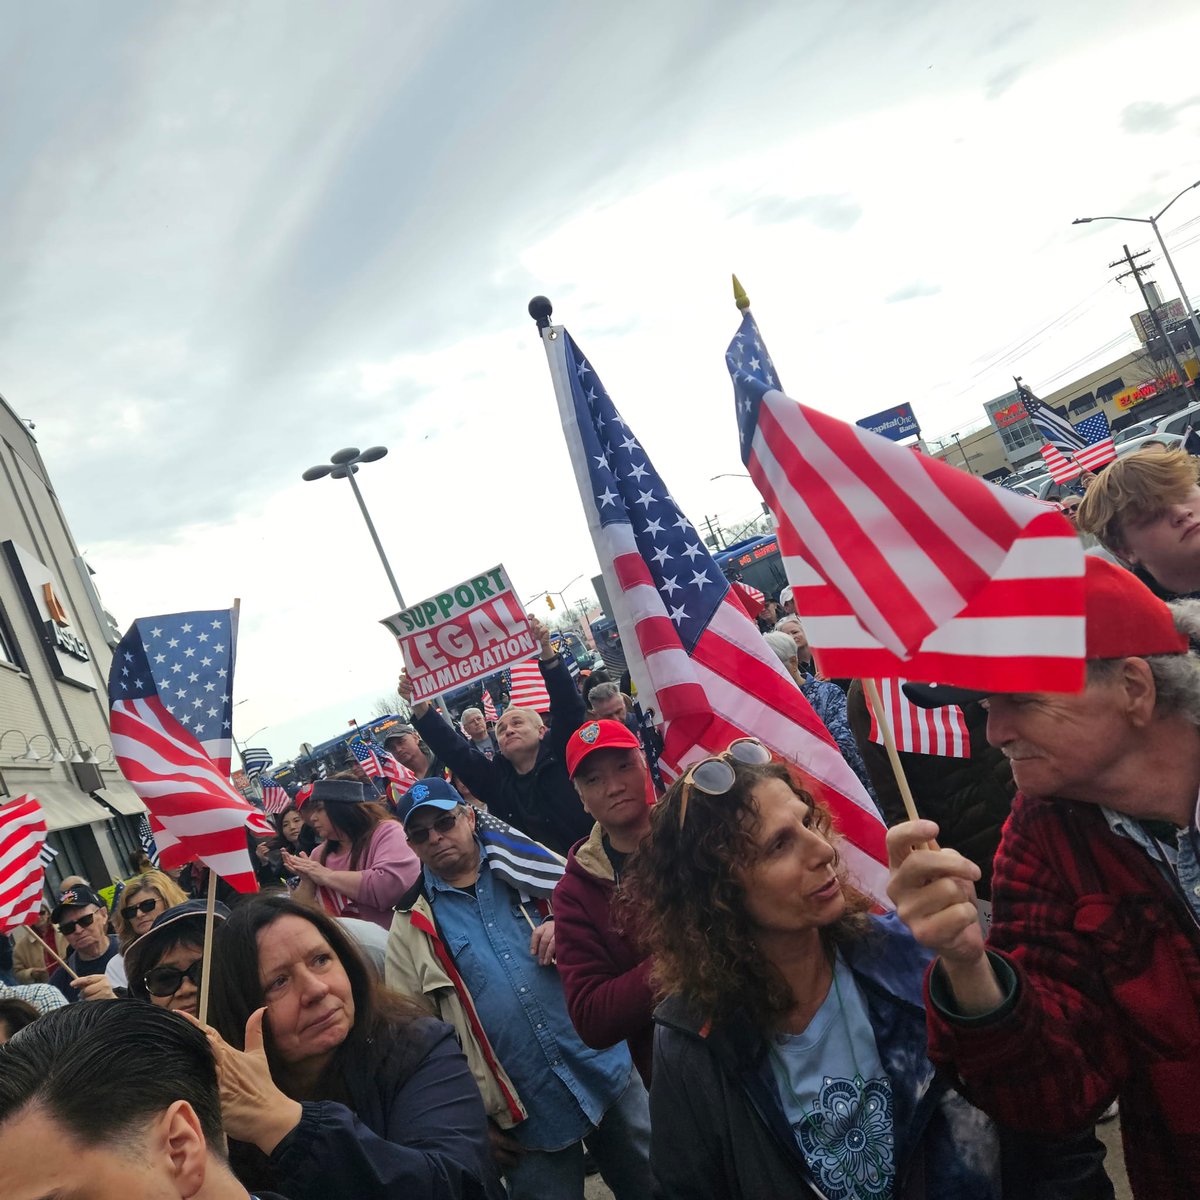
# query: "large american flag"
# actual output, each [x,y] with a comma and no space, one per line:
[1100,450]
[22,836]
[901,565]
[169,692]
[698,660]
[274,794]
[941,731]
[526,687]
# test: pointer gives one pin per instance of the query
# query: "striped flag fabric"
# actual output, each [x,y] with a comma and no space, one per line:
[528,867]
[901,565]
[939,731]
[1100,450]
[526,687]
[275,797]
[382,764]
[753,601]
[1062,469]
[22,875]
[489,708]
[1053,426]
[697,659]
[257,760]
[48,854]
[169,691]
[146,840]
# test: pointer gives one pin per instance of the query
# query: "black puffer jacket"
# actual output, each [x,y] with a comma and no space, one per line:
[542,803]
[969,798]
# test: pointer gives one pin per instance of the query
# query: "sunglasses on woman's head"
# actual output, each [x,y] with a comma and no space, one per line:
[142,906]
[166,981]
[715,776]
[66,928]
[418,837]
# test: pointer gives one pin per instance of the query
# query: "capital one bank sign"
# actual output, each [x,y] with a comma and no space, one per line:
[66,652]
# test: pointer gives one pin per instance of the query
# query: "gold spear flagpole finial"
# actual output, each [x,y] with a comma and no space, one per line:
[739,295]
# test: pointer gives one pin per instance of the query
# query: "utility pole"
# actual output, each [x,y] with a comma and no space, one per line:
[1136,271]
[715,534]
[966,460]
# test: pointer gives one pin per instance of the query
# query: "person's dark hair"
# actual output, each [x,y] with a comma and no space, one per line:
[147,952]
[280,841]
[237,990]
[688,906]
[64,1063]
[357,821]
[16,1014]
[594,680]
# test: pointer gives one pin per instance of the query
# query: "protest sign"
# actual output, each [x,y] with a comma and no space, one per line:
[462,634]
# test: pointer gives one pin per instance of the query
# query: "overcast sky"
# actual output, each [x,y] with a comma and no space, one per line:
[237,237]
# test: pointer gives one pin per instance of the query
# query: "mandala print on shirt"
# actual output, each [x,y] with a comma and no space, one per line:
[847,1139]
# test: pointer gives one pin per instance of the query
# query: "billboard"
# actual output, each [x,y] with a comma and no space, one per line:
[895,423]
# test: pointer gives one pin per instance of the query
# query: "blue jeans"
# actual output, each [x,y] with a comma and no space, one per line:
[620,1144]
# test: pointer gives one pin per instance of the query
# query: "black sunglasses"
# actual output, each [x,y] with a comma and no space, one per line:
[166,981]
[418,837]
[142,906]
[68,927]
[715,776]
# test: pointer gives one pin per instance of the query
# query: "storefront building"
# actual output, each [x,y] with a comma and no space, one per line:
[56,642]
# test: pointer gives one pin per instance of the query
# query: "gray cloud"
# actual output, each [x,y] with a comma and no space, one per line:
[1002,80]
[912,291]
[837,213]
[1152,116]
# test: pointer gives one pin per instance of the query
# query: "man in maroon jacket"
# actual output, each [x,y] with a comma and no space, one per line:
[1088,987]
[605,976]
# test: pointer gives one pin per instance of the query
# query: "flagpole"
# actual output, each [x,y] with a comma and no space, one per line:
[62,962]
[540,309]
[210,918]
[910,807]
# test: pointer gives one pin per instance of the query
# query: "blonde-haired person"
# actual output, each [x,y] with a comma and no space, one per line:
[1145,509]
[140,901]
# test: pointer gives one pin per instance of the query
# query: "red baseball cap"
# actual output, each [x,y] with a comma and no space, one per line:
[1123,619]
[598,735]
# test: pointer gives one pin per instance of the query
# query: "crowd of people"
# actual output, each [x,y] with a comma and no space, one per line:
[534,959]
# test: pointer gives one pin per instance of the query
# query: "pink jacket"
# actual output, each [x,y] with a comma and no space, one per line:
[389,869]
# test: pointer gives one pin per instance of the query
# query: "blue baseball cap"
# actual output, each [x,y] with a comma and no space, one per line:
[428,793]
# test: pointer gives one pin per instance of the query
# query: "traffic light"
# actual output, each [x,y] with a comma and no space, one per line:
[550,602]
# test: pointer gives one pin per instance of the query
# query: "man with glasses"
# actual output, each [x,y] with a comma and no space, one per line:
[82,919]
[475,939]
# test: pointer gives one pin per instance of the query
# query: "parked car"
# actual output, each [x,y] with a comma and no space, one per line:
[1141,429]
[1170,439]
[1178,422]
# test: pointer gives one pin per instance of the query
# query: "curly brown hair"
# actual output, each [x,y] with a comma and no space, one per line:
[688,906]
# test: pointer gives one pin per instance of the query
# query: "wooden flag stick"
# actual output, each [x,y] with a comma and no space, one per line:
[59,959]
[210,917]
[889,743]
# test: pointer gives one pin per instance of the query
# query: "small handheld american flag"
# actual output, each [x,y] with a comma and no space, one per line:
[22,836]
[940,731]
[527,688]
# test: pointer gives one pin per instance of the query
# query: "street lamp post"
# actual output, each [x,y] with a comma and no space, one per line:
[1153,223]
[344,465]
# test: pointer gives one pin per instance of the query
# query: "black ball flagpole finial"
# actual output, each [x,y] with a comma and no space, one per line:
[540,309]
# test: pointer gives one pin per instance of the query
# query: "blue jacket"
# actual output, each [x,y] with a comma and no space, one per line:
[829,703]
[718,1127]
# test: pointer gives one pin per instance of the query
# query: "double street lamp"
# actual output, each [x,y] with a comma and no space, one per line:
[1153,223]
[344,465]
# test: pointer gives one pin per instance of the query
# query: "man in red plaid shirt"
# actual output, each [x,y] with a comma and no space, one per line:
[1088,987]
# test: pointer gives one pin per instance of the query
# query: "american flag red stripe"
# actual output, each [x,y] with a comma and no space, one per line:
[489,707]
[22,873]
[527,688]
[275,797]
[1061,468]
[194,810]
[753,601]
[939,731]
[901,565]
[698,660]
